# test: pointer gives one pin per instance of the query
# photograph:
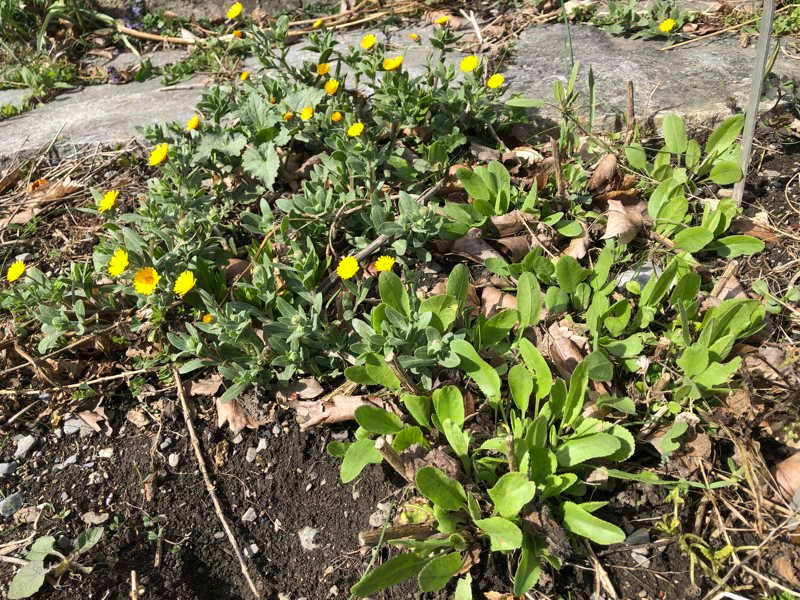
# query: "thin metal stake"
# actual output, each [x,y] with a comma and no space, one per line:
[757,82]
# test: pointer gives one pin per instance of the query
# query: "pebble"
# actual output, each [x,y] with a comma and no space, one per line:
[251,454]
[24,445]
[106,453]
[72,426]
[219,535]
[276,525]
[173,460]
[262,445]
[10,504]
[238,439]
[250,515]
[165,444]
[251,550]
[334,591]
[276,429]
[8,468]
[340,436]
[71,460]
[640,275]
[307,535]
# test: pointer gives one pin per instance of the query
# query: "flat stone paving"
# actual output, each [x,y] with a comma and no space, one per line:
[700,81]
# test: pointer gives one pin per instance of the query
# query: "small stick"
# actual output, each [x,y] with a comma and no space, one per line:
[730,271]
[198,453]
[75,385]
[356,8]
[630,112]
[134,586]
[153,36]
[557,160]
[392,457]
[417,532]
[512,459]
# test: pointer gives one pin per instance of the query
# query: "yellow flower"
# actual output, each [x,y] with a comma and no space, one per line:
[368,41]
[193,123]
[288,115]
[323,68]
[307,113]
[414,37]
[237,33]
[667,25]
[184,283]
[390,64]
[234,11]
[332,86]
[108,201]
[495,81]
[146,280]
[244,76]
[384,263]
[159,154]
[15,271]
[469,63]
[336,116]
[317,24]
[118,263]
[355,129]
[208,318]
[347,267]
[442,20]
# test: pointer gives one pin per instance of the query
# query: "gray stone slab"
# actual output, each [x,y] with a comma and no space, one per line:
[206,9]
[699,81]
[14,96]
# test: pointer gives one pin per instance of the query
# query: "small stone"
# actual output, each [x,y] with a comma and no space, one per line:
[276,525]
[262,445]
[238,439]
[340,436]
[24,445]
[106,453]
[8,468]
[71,460]
[334,591]
[173,460]
[250,515]
[10,504]
[309,486]
[72,426]
[219,535]
[166,443]
[251,454]
[251,550]
[307,535]
[276,429]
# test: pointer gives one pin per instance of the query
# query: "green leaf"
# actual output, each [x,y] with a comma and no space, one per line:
[473,184]
[578,383]
[420,408]
[520,382]
[358,455]
[579,450]
[725,172]
[377,420]
[478,369]
[693,239]
[503,534]
[599,368]
[511,492]
[497,328]
[724,135]
[373,371]
[444,309]
[674,134]
[617,317]
[28,580]
[582,523]
[262,163]
[393,293]
[458,285]
[449,404]
[435,575]
[457,438]
[464,588]
[88,539]
[407,437]
[669,442]
[391,572]
[737,245]
[569,273]
[440,489]
[41,548]
[337,449]
[528,300]
[637,158]
[528,569]
[517,101]
[536,363]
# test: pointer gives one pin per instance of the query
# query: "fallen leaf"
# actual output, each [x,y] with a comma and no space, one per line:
[27,514]
[336,409]
[9,177]
[739,404]
[221,453]
[304,389]
[207,386]
[578,246]
[237,416]
[786,569]
[138,417]
[751,227]
[41,193]
[518,246]
[525,153]
[236,268]
[787,474]
[93,418]
[512,223]
[624,220]
[605,173]
[483,153]
[453,21]
[564,346]
[93,518]
[473,247]
[494,300]
[498,596]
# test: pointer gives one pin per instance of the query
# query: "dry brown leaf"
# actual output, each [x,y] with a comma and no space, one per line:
[518,246]
[786,569]
[302,389]
[237,416]
[624,220]
[564,346]
[71,369]
[236,268]
[27,514]
[524,153]
[578,246]
[512,223]
[775,363]
[93,418]
[40,196]
[453,21]
[739,404]
[483,153]
[207,386]
[93,518]
[9,177]
[221,452]
[752,227]
[138,417]
[473,247]
[498,596]
[336,409]
[605,173]
[494,300]
[787,474]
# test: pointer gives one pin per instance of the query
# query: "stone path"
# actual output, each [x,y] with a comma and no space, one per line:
[700,81]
